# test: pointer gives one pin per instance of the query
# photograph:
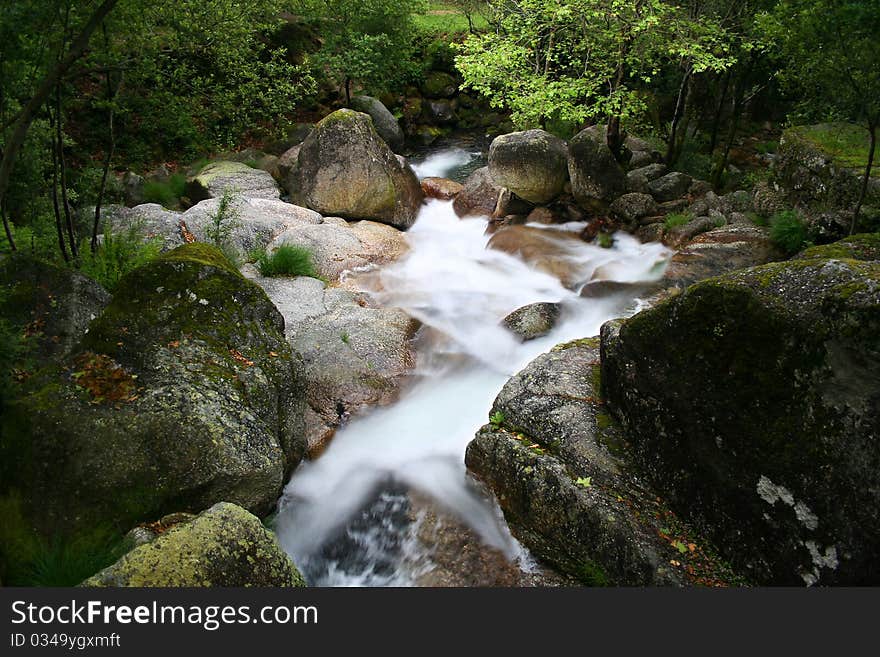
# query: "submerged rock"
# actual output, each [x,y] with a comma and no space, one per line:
[345,169]
[533,321]
[531,164]
[183,393]
[552,252]
[441,188]
[753,401]
[223,546]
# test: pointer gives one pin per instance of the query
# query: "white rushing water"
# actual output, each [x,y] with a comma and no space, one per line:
[343,517]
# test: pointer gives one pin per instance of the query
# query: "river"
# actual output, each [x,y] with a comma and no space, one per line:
[348,518]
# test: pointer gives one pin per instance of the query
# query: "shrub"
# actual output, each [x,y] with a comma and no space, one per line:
[287,261]
[788,232]
[166,193]
[117,254]
[223,222]
[676,219]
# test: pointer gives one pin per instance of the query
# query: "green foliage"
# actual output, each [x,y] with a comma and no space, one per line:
[676,219]
[287,260]
[846,143]
[28,559]
[574,60]
[584,482]
[367,41]
[117,254]
[497,419]
[788,232]
[829,51]
[757,219]
[222,222]
[452,17]
[605,240]
[166,193]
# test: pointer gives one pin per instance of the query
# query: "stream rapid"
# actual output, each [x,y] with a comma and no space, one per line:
[347,518]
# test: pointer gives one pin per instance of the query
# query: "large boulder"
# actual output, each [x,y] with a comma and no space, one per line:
[182,393]
[150,220]
[596,177]
[223,546]
[531,164]
[246,223]
[814,177]
[217,178]
[556,463]
[753,401]
[50,306]
[438,84]
[383,120]
[479,195]
[345,169]
[337,246]
[354,355]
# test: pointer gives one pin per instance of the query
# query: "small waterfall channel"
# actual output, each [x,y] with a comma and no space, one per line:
[350,518]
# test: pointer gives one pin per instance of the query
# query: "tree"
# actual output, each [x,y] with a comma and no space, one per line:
[578,60]
[832,52]
[181,76]
[366,41]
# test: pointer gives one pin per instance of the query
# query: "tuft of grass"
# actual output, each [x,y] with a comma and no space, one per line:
[166,193]
[119,253]
[788,231]
[497,419]
[287,260]
[29,559]
[676,219]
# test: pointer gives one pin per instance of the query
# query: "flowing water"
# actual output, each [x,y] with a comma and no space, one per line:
[347,518]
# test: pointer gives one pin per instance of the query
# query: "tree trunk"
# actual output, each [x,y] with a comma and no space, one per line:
[44,91]
[672,146]
[111,94]
[59,226]
[62,167]
[6,228]
[872,127]
[716,122]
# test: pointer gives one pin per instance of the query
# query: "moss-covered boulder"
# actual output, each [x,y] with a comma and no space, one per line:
[50,307]
[753,401]
[558,467]
[236,177]
[855,247]
[438,84]
[223,546]
[183,393]
[531,164]
[345,169]
[822,166]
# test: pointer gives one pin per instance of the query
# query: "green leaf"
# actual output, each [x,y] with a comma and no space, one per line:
[584,482]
